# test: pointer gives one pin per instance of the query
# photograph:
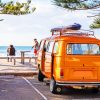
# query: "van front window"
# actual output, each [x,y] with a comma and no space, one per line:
[83,49]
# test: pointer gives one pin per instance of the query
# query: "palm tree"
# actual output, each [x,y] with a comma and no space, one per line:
[16,8]
[96,23]
[81,5]
[78,4]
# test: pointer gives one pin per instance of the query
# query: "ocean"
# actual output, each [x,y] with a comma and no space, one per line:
[3,50]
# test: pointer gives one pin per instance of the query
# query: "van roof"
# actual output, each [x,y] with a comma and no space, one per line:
[69,38]
[73,33]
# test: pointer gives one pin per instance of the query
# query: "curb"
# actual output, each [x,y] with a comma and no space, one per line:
[19,73]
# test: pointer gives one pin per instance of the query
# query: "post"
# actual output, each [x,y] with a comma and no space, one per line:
[30,60]
[14,61]
[22,57]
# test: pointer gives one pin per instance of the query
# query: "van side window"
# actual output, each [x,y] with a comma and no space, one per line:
[69,49]
[50,47]
[56,47]
[45,45]
[41,45]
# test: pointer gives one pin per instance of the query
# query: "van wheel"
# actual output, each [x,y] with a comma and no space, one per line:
[40,76]
[55,89]
[95,90]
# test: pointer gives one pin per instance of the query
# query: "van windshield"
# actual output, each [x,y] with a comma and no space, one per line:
[82,49]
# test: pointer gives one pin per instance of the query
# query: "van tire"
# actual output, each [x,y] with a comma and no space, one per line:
[95,90]
[55,88]
[40,76]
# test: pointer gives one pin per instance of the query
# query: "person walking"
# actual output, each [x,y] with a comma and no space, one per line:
[36,48]
[11,52]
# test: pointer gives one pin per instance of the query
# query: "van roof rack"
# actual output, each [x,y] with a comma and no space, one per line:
[71,31]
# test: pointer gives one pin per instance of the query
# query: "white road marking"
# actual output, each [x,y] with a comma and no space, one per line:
[35,88]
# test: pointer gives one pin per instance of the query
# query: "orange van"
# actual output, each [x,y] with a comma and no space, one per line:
[70,58]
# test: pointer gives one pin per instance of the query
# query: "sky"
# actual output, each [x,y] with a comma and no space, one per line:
[21,30]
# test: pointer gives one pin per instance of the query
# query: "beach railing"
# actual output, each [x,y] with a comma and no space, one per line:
[22,57]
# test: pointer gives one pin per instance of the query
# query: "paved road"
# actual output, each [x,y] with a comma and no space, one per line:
[21,88]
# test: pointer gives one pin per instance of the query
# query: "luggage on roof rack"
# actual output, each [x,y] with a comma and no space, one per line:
[72,30]
[75,26]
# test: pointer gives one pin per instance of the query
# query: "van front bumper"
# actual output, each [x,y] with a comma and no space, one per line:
[77,83]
